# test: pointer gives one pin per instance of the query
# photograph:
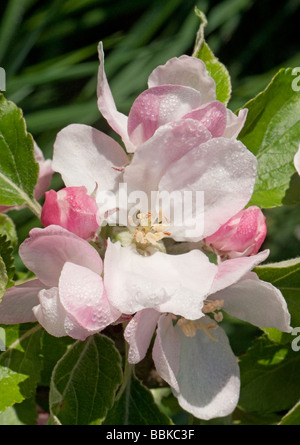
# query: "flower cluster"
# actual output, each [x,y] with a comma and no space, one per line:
[95,267]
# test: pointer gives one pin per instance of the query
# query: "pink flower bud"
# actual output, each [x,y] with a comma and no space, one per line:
[242,235]
[73,209]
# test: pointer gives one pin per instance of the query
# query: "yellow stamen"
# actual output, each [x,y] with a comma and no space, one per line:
[189,327]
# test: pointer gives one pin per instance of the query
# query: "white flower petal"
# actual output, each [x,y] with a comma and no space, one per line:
[187,71]
[139,332]
[235,123]
[225,171]
[166,283]
[297,160]
[50,313]
[257,302]
[166,351]
[87,157]
[204,373]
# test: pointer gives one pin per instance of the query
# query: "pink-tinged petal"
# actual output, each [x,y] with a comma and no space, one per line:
[212,115]
[166,283]
[107,106]
[169,144]
[158,106]
[139,332]
[18,301]
[257,302]
[297,160]
[73,209]
[50,313]
[87,157]
[83,296]
[47,250]
[187,71]
[224,171]
[55,319]
[242,235]
[231,271]
[235,123]
[166,351]
[208,373]
[45,173]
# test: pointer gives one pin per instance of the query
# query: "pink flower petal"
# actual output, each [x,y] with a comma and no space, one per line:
[107,106]
[158,106]
[242,235]
[212,115]
[187,71]
[169,144]
[45,173]
[73,209]
[231,271]
[83,296]
[47,250]
[18,301]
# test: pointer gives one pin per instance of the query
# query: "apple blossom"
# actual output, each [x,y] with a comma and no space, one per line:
[68,297]
[73,209]
[193,354]
[242,235]
[180,89]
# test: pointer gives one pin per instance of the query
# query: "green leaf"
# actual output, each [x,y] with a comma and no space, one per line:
[6,255]
[292,417]
[272,133]
[242,418]
[84,382]
[3,278]
[53,348]
[285,275]
[7,228]
[20,414]
[20,364]
[214,67]
[269,377]
[136,406]
[18,168]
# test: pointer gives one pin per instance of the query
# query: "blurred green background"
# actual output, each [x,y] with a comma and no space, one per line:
[49,52]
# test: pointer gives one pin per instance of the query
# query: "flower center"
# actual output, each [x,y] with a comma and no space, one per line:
[149,230]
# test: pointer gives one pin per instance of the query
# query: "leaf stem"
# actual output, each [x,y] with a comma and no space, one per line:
[35,207]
